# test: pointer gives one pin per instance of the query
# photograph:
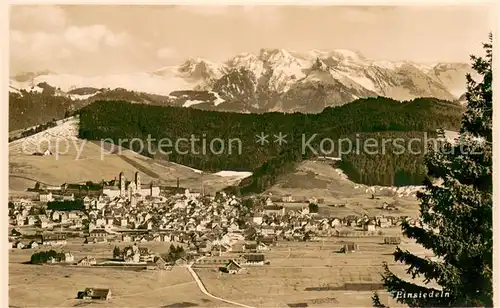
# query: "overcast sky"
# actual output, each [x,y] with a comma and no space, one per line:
[92,40]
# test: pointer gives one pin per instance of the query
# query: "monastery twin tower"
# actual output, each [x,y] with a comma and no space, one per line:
[130,189]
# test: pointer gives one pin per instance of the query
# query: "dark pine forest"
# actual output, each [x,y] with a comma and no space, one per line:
[378,118]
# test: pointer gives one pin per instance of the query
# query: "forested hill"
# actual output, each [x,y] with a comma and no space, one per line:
[378,118]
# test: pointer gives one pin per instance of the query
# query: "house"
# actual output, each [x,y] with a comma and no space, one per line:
[14,232]
[251,247]
[132,258]
[336,223]
[181,262]
[268,240]
[146,255]
[127,238]
[131,254]
[68,257]
[269,201]
[232,267]
[86,201]
[32,244]
[257,219]
[46,196]
[389,207]
[95,293]
[20,220]
[43,223]
[254,259]
[54,239]
[31,220]
[19,245]
[96,240]
[287,198]
[56,216]
[370,226]
[349,247]
[160,263]
[392,240]
[98,233]
[262,247]
[384,222]
[87,261]
[274,210]
[68,197]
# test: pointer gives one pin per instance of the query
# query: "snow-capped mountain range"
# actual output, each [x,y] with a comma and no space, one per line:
[272,80]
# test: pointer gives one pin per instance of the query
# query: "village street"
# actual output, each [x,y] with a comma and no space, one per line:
[204,290]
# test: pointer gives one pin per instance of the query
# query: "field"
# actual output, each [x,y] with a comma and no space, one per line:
[57,286]
[298,269]
[314,273]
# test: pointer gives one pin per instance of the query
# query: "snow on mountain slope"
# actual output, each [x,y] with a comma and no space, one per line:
[275,72]
[285,68]
[201,69]
[65,131]
[452,76]
[141,82]
[346,55]
[238,174]
[247,61]
[192,103]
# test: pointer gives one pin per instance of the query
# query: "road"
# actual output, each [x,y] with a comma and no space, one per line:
[204,290]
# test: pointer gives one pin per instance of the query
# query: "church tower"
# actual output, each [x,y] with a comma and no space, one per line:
[138,181]
[122,184]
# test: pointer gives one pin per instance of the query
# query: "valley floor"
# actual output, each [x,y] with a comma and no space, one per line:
[295,272]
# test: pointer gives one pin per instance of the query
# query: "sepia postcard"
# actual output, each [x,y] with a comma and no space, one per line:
[250,155]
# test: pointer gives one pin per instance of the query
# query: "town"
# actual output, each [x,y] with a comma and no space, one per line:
[218,231]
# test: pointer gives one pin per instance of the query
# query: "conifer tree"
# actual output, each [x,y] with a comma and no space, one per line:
[116,252]
[455,212]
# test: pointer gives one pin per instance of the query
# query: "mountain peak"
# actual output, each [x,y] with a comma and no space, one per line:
[274,54]
[319,65]
[198,68]
[346,54]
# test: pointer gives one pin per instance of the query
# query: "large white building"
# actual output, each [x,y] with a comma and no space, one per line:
[128,190]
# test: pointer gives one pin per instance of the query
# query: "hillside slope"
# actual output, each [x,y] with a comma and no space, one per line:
[320,179]
[74,160]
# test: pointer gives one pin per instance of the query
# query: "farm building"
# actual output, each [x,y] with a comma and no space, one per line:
[349,247]
[251,247]
[68,257]
[33,244]
[393,240]
[98,233]
[232,267]
[160,263]
[54,240]
[87,261]
[274,210]
[370,226]
[19,245]
[95,293]
[181,262]
[254,259]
